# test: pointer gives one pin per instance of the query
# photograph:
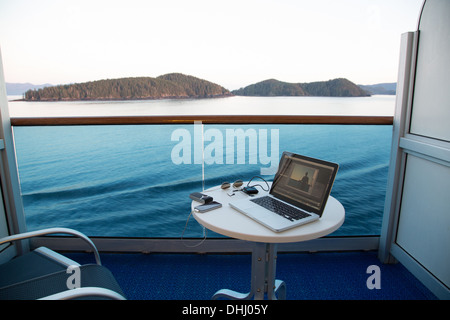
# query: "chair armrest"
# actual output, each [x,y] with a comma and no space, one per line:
[31,234]
[85,292]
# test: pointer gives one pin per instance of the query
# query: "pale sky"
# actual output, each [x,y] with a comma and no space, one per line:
[233,43]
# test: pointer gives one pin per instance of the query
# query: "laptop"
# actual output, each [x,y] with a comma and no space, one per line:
[298,195]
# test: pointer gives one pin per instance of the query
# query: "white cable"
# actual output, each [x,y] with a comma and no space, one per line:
[205,232]
[203,171]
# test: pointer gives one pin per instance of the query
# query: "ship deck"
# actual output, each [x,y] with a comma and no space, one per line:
[308,276]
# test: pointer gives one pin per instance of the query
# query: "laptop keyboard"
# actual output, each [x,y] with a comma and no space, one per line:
[280,208]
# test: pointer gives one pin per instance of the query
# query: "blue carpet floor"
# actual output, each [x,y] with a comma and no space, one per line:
[316,276]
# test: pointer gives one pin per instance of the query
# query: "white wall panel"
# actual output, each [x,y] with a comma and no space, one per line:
[424,224]
[431,105]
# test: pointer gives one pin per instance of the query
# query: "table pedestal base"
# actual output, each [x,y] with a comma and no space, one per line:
[264,262]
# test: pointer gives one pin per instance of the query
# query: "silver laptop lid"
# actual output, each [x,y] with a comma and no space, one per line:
[304,182]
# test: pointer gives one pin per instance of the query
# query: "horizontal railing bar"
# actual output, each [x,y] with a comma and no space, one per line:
[206,119]
[212,245]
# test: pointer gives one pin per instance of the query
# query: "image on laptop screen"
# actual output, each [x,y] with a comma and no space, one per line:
[304,182]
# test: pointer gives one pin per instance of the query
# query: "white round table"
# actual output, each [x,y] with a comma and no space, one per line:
[232,223]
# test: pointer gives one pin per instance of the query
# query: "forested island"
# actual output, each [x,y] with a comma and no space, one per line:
[380,88]
[332,88]
[172,85]
[180,86]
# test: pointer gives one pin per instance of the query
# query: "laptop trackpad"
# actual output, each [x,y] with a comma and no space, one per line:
[251,209]
[242,204]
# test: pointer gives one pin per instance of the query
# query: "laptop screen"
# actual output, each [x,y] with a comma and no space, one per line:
[304,182]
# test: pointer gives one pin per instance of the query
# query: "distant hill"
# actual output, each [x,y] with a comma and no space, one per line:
[174,85]
[332,88]
[15,89]
[381,88]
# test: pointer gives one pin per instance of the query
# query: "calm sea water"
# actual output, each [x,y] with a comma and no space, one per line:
[376,105]
[122,181]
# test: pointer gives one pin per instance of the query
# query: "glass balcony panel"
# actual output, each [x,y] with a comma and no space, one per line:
[135,180]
